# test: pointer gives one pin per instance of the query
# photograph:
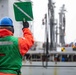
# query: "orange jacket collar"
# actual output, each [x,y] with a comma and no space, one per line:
[5,32]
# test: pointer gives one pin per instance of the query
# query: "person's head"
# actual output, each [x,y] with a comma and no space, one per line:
[6,23]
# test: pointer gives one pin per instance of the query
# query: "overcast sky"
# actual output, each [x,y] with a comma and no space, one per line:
[39,10]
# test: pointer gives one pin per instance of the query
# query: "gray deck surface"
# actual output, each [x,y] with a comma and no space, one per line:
[39,70]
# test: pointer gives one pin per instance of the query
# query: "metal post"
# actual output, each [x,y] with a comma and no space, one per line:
[47,44]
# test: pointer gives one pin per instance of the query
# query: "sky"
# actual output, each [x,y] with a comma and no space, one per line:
[39,10]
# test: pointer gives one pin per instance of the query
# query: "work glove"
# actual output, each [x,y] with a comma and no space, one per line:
[25,24]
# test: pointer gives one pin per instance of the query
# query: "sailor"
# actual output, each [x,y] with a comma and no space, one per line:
[13,48]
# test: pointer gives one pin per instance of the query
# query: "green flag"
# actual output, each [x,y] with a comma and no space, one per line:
[23,10]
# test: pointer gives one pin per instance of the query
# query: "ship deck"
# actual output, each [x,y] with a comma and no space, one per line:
[53,68]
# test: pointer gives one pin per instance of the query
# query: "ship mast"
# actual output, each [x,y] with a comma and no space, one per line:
[51,17]
[62,26]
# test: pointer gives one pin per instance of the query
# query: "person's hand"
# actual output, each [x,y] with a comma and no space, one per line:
[25,24]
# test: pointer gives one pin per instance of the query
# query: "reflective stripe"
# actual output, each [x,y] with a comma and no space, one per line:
[6,43]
